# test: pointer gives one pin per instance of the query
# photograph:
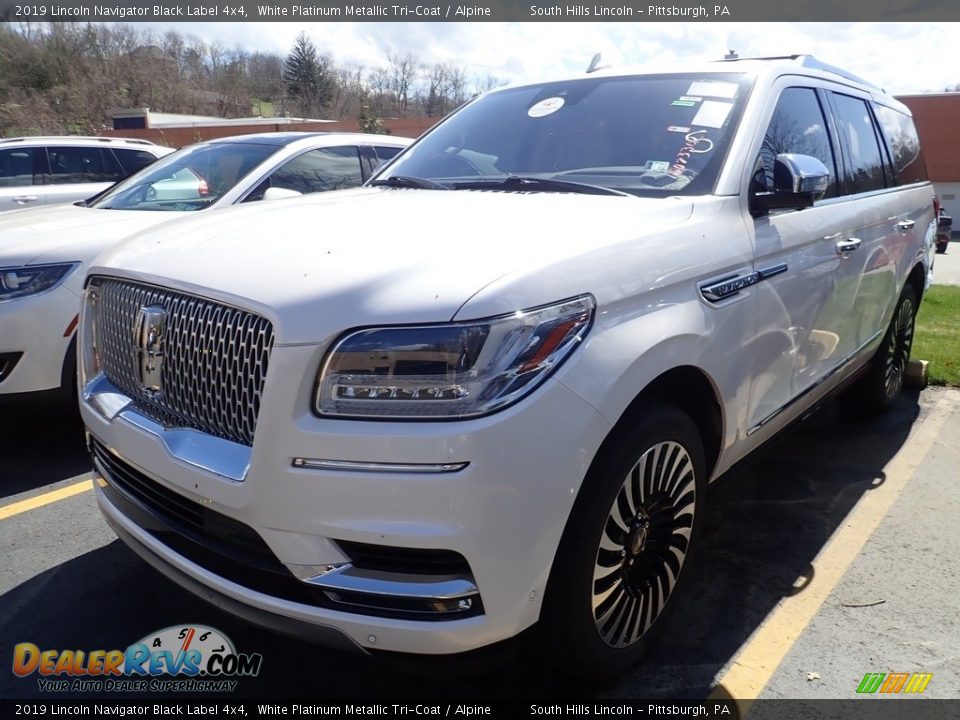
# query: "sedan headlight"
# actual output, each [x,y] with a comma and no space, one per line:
[17,282]
[449,370]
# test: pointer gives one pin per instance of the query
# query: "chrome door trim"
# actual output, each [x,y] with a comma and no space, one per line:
[730,285]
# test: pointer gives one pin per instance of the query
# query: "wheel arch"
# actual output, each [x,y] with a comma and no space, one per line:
[692,391]
[917,278]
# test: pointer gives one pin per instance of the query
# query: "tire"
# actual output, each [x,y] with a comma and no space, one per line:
[620,563]
[880,387]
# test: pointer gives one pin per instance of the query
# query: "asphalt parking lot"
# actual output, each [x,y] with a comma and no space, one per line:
[829,556]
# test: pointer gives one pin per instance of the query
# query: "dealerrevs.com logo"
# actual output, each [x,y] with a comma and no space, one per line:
[181,658]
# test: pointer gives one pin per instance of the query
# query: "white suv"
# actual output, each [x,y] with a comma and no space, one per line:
[38,171]
[488,390]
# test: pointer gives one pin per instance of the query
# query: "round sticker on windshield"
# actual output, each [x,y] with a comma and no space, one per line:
[546,107]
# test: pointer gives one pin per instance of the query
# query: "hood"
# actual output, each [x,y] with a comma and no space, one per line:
[318,265]
[67,232]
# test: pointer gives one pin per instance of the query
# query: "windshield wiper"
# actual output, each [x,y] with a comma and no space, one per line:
[409,181]
[536,184]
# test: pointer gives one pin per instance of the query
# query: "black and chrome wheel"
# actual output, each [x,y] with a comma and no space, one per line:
[880,387]
[897,345]
[629,537]
[644,544]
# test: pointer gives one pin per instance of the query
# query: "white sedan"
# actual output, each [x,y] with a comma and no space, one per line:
[44,251]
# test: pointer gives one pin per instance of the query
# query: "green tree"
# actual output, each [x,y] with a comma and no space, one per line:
[367,120]
[308,77]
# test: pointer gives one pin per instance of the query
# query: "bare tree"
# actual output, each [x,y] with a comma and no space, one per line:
[402,73]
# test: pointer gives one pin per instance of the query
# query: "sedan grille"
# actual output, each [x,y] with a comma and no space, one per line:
[214,357]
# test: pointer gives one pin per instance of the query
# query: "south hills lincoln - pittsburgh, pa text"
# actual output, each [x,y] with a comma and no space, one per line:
[693,12]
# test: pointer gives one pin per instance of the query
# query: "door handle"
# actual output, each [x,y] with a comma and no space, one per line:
[905,225]
[845,247]
[24,199]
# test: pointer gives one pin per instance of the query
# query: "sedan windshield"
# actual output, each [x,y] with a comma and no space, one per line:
[190,179]
[643,135]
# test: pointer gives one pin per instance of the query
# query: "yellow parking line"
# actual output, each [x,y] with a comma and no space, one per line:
[53,496]
[763,652]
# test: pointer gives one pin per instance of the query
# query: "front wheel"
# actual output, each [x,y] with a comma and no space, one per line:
[622,557]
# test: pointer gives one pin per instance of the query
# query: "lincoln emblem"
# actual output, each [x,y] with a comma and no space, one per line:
[149,336]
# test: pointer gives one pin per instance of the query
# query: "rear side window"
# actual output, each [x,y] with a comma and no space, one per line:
[797,126]
[908,164]
[386,153]
[133,160]
[17,167]
[76,164]
[865,164]
[331,168]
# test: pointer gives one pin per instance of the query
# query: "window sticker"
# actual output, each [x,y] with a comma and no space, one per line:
[677,128]
[683,103]
[546,107]
[697,143]
[712,114]
[713,88]
[656,165]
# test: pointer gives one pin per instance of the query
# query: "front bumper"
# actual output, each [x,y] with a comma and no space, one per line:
[503,513]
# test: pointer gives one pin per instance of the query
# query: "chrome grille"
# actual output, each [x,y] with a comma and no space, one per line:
[214,364]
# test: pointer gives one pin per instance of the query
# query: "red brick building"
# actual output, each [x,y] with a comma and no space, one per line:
[937,117]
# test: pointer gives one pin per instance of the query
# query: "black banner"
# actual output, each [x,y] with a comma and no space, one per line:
[474,11]
[858,709]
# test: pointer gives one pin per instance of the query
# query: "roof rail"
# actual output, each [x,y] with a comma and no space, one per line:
[89,138]
[809,61]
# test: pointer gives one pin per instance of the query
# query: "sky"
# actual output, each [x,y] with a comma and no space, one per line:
[902,58]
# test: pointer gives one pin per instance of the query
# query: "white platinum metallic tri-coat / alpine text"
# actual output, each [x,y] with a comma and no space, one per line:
[498,407]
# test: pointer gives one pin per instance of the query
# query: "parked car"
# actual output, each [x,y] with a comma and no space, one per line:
[944,228]
[44,252]
[501,407]
[37,171]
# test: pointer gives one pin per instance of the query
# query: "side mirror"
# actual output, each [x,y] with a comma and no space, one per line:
[275,193]
[798,182]
[944,222]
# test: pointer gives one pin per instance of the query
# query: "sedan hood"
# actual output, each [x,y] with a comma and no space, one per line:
[317,265]
[67,232]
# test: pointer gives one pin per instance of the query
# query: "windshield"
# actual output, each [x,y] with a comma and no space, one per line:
[190,179]
[655,134]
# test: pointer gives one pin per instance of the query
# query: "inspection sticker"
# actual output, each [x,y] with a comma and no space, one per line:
[546,107]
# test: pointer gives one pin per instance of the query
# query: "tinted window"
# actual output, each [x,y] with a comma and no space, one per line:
[16,167]
[865,164]
[190,179]
[81,165]
[655,135]
[133,160]
[333,168]
[386,153]
[908,164]
[797,126]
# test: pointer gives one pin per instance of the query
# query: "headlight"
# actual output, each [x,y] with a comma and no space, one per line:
[17,282]
[451,370]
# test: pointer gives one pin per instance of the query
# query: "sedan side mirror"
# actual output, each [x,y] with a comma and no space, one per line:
[798,182]
[276,193]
